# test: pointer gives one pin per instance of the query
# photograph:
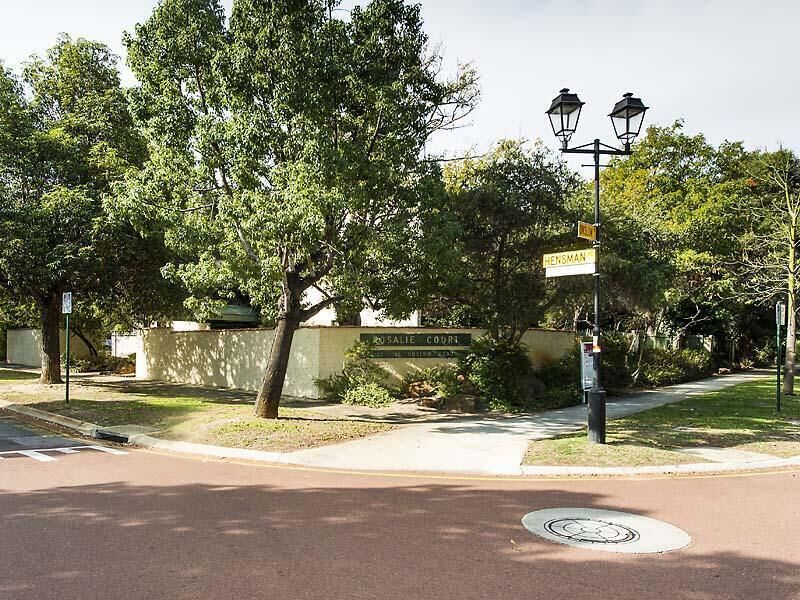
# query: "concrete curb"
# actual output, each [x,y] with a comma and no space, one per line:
[147,441]
[684,469]
[82,427]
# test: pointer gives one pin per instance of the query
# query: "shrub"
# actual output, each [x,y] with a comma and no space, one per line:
[500,371]
[367,394]
[442,381]
[616,368]
[666,367]
[562,380]
[766,355]
[103,363]
[358,371]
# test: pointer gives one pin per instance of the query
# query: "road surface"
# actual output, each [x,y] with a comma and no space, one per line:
[93,524]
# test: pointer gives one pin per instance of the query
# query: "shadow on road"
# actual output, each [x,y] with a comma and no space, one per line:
[373,541]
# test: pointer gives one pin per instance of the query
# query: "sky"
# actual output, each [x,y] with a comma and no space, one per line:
[728,68]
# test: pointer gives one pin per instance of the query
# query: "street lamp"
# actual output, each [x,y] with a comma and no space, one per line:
[626,117]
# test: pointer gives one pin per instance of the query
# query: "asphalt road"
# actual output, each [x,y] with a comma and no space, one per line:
[90,524]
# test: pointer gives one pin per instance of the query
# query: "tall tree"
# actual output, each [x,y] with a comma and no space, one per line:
[62,145]
[671,224]
[286,152]
[509,207]
[769,263]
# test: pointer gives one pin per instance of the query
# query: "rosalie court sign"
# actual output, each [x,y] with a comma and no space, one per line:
[413,345]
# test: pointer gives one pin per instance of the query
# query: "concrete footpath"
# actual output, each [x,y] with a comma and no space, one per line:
[488,445]
[476,445]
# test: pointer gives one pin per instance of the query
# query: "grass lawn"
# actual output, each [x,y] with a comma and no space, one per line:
[220,417]
[8,375]
[742,417]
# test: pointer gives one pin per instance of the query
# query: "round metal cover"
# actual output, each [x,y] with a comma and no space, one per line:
[607,530]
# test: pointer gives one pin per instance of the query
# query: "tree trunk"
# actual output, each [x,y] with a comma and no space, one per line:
[791,309]
[89,345]
[269,395]
[50,311]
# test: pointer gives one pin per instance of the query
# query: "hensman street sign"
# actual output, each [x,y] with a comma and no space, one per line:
[574,262]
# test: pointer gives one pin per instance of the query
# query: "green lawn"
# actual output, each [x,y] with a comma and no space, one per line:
[8,375]
[220,417]
[742,416]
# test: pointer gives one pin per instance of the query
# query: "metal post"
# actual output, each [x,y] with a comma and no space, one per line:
[597,395]
[66,396]
[778,362]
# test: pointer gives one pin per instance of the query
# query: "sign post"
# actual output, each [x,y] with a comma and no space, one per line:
[66,310]
[587,367]
[780,319]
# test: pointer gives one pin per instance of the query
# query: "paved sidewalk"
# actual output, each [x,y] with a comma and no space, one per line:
[486,445]
[449,443]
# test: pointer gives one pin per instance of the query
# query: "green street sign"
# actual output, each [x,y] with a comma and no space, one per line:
[417,339]
[425,353]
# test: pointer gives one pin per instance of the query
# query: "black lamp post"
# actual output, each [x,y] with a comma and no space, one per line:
[627,117]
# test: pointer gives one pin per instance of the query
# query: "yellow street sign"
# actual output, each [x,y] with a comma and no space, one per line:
[587,231]
[573,257]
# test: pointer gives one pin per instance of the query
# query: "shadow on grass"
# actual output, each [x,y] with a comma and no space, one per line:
[110,412]
[726,418]
[7,374]
[162,389]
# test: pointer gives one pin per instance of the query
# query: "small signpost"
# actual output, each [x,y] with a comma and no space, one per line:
[66,310]
[574,262]
[587,367]
[780,319]
[587,231]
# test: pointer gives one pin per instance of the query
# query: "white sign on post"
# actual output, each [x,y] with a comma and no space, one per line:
[574,262]
[780,313]
[66,303]
[587,365]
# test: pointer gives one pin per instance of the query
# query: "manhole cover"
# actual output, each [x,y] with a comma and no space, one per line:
[607,530]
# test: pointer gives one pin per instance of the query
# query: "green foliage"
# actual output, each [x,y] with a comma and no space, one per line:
[658,367]
[287,153]
[66,136]
[500,371]
[286,145]
[616,365]
[442,381]
[358,371]
[667,367]
[673,213]
[368,394]
[104,362]
[562,378]
[508,208]
[766,354]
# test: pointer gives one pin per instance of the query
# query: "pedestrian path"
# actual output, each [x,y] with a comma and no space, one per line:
[23,440]
[44,454]
[489,445]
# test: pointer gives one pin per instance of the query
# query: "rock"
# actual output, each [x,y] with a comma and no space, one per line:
[420,389]
[460,403]
[430,402]
[464,403]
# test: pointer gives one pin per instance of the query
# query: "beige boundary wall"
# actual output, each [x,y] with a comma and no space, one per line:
[24,347]
[236,358]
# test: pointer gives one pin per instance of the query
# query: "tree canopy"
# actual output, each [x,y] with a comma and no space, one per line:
[286,152]
[65,136]
[508,207]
